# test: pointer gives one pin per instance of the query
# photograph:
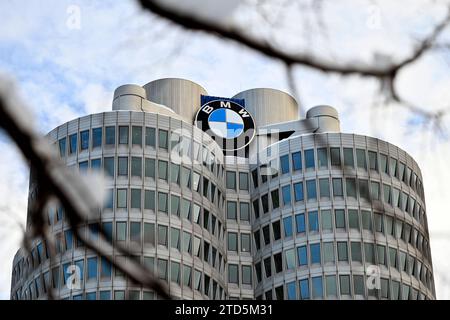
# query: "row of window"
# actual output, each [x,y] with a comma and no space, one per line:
[183,146]
[314,189]
[327,253]
[94,269]
[343,285]
[341,220]
[336,158]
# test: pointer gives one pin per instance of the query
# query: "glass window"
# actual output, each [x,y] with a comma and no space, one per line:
[298,191]
[244,209]
[266,234]
[324,188]
[73,143]
[355,248]
[96,164]
[290,258]
[121,231]
[309,158]
[123,166]
[162,269]
[175,238]
[196,213]
[300,222]
[374,190]
[315,253]
[302,255]
[304,289]
[390,226]
[330,284]
[231,180]
[327,220]
[284,164]
[175,205]
[342,251]
[84,140]
[149,201]
[257,239]
[265,202]
[311,189]
[381,254]
[150,137]
[291,291]
[287,224]
[92,268]
[136,166]
[162,202]
[393,257]
[335,156]
[121,198]
[348,158]
[387,194]
[62,147]
[340,218]
[276,228]
[393,167]
[186,209]
[363,189]
[255,178]
[162,235]
[243,181]
[361,159]
[317,287]
[186,244]
[350,184]
[136,198]
[197,280]
[275,199]
[322,157]
[344,281]
[232,210]
[366,220]
[110,135]
[353,219]
[106,268]
[337,187]
[246,275]
[268,267]
[83,166]
[373,164]
[162,170]
[296,161]
[163,139]
[369,252]
[149,168]
[233,273]
[185,177]
[245,242]
[123,134]
[313,219]
[96,137]
[109,166]
[384,163]
[136,135]
[286,192]
[232,241]
[328,252]
[68,235]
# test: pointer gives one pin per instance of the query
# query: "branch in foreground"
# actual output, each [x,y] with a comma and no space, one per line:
[55,179]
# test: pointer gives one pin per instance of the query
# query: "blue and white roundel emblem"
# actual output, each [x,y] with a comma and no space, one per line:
[227,122]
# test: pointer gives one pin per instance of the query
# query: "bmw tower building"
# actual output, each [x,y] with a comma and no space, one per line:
[234,198]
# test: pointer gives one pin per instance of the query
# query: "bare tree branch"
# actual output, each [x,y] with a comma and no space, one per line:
[54,178]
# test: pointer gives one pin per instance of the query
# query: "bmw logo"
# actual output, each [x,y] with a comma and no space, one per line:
[227,122]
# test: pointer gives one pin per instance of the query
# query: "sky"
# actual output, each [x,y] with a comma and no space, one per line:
[67,57]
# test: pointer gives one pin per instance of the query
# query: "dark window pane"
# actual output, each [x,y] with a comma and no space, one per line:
[110,135]
[284,164]
[123,135]
[163,139]
[243,181]
[97,137]
[150,137]
[136,135]
[361,158]
[335,156]
[296,161]
[322,158]
[123,166]
[311,189]
[298,191]
[136,166]
[150,168]
[309,158]
[348,158]
[84,140]
[73,143]
[62,147]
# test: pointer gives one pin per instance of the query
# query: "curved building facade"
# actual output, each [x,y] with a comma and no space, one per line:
[301,211]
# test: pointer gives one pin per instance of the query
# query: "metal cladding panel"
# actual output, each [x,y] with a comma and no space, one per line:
[347,139]
[372,143]
[383,146]
[110,118]
[393,150]
[97,120]
[53,135]
[85,123]
[334,139]
[175,124]
[269,106]
[73,126]
[150,119]
[180,95]
[163,122]
[137,117]
[62,131]
[308,141]
[295,144]
[322,140]
[123,117]
[360,141]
